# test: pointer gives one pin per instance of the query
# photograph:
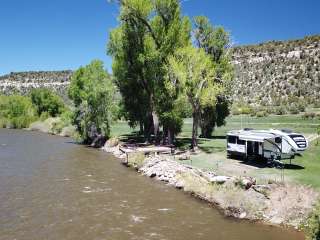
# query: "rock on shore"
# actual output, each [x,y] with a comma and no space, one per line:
[239,197]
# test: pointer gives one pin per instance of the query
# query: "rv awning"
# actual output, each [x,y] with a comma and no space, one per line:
[256,137]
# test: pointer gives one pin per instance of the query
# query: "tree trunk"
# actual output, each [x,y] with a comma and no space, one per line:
[148,128]
[141,131]
[195,124]
[164,135]
[170,137]
[155,119]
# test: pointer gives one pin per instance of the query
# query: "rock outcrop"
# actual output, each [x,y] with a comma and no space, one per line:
[24,82]
[278,72]
[272,73]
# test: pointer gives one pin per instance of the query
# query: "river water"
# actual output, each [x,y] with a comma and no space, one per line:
[51,188]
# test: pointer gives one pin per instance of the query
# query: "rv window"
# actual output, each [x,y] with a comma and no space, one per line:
[232,139]
[241,142]
[278,139]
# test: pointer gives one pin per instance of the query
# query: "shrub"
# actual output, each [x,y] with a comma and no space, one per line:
[64,121]
[235,111]
[46,101]
[269,110]
[280,110]
[313,225]
[261,114]
[16,111]
[309,115]
[301,105]
[44,116]
[293,109]
[136,159]
[241,109]
[316,104]
[246,110]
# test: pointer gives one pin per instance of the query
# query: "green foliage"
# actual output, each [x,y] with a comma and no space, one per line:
[280,110]
[65,120]
[214,116]
[313,225]
[44,116]
[16,111]
[242,108]
[309,115]
[172,121]
[261,114]
[293,109]
[92,93]
[45,100]
[149,31]
[215,41]
[191,72]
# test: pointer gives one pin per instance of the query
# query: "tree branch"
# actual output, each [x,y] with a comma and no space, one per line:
[135,14]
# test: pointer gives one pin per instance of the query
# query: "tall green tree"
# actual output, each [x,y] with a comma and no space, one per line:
[216,43]
[92,92]
[191,72]
[149,31]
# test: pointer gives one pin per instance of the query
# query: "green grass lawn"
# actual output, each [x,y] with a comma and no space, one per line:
[294,122]
[305,169]
[310,161]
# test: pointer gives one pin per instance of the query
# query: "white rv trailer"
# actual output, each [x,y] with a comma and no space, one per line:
[295,140]
[265,144]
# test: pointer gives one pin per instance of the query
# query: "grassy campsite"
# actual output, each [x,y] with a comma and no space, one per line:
[304,167]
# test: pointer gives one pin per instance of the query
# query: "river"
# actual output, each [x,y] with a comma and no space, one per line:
[52,188]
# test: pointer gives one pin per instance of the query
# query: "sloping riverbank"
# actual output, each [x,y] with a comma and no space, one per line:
[239,197]
[236,196]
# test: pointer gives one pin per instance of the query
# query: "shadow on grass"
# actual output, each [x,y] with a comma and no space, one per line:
[292,166]
[204,144]
[214,137]
[263,163]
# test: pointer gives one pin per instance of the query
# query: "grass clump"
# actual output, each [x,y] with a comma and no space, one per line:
[313,225]
[231,198]
[136,159]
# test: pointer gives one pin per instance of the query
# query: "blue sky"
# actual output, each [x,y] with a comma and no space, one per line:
[64,34]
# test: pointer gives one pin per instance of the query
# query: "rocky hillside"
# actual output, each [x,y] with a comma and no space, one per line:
[278,73]
[23,82]
[268,74]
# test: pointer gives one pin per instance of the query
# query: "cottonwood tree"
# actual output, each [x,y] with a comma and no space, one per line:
[149,31]
[92,93]
[191,71]
[216,43]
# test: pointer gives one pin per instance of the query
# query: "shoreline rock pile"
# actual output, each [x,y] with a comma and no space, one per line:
[239,197]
